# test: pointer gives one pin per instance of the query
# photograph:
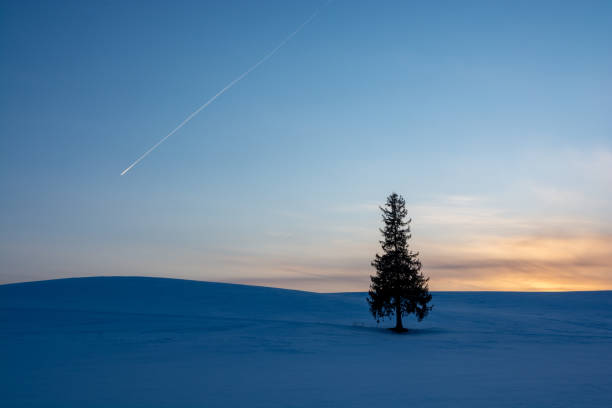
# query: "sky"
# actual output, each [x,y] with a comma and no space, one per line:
[492,120]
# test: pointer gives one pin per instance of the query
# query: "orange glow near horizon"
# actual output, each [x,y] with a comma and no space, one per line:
[525,264]
[542,263]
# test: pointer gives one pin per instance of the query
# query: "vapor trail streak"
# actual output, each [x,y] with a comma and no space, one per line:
[222,91]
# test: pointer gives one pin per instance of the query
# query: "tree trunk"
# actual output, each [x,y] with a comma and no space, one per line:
[398,317]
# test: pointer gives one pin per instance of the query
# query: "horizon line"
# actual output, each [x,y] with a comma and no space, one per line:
[289,289]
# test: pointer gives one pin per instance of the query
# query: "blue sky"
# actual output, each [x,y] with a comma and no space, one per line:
[492,119]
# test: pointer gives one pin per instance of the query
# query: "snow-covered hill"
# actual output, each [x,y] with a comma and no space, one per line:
[149,342]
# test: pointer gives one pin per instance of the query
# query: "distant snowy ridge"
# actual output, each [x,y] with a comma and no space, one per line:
[177,297]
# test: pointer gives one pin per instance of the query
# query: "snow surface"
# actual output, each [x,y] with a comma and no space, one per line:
[149,342]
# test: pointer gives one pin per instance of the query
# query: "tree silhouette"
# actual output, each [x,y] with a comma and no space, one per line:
[398,287]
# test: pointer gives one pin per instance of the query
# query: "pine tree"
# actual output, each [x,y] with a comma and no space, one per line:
[398,288]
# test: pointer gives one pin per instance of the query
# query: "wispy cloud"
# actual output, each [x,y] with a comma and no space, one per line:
[524,263]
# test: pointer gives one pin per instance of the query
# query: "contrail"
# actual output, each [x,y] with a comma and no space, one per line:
[222,91]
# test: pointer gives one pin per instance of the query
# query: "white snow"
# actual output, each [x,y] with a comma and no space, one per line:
[148,342]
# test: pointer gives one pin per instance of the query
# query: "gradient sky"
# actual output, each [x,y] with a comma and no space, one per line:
[492,119]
